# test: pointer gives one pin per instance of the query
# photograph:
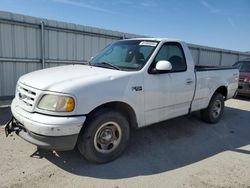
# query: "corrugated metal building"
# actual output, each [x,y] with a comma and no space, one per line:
[28,44]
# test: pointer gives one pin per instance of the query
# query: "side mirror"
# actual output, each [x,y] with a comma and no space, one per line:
[163,66]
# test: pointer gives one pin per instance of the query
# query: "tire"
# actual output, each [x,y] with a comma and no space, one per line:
[104,137]
[214,111]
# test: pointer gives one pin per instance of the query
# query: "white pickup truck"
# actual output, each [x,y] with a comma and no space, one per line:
[130,84]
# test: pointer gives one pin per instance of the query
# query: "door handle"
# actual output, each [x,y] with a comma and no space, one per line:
[189,81]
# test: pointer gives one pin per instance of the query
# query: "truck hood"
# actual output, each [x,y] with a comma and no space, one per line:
[62,78]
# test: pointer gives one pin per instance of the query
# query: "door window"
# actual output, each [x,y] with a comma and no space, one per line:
[173,53]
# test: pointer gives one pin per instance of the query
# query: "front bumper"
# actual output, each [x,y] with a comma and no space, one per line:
[58,143]
[47,132]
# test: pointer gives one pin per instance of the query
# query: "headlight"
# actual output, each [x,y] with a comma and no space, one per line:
[57,103]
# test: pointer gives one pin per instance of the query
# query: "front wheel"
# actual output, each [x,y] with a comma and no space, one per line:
[105,137]
[214,111]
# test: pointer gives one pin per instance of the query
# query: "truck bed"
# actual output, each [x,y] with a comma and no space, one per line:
[208,79]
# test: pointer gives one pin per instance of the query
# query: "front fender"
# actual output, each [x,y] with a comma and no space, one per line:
[117,90]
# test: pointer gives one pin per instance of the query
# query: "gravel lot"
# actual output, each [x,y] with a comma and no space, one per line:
[183,152]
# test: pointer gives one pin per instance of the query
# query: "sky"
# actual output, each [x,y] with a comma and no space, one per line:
[216,23]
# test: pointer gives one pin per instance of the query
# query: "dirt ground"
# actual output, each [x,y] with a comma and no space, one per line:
[183,152]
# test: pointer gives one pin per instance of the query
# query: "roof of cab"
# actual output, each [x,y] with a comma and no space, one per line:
[156,39]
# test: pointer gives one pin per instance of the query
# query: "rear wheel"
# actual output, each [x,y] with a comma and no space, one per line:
[214,111]
[105,137]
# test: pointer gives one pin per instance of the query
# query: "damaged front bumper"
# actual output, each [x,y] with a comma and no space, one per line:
[44,131]
[12,126]
[58,143]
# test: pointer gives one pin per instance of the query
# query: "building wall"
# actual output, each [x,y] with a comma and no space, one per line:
[28,44]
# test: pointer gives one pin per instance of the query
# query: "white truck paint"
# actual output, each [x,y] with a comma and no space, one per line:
[150,97]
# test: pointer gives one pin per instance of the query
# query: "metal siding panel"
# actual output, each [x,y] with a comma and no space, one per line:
[87,47]
[79,47]
[32,43]
[71,26]
[91,44]
[1,80]
[242,57]
[109,41]
[38,43]
[38,66]
[50,65]
[52,23]
[5,15]
[32,67]
[89,41]
[46,39]
[95,46]
[229,59]
[47,65]
[9,80]
[75,44]
[17,17]
[6,39]
[195,55]
[20,70]
[61,24]
[70,41]
[1,47]
[19,42]
[209,58]
[25,42]
[52,39]
[102,44]
[61,64]
[96,42]
[62,45]
[31,19]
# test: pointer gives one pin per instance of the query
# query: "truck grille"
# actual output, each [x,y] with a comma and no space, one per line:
[26,96]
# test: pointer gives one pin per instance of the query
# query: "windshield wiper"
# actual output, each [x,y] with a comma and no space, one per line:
[105,64]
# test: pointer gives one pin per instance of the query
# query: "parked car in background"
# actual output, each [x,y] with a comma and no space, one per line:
[244,79]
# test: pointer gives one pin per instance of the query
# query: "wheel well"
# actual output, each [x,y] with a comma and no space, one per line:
[121,107]
[222,90]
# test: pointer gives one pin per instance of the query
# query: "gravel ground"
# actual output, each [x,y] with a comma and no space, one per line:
[183,152]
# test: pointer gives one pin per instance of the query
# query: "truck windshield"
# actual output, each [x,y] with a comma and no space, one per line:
[128,55]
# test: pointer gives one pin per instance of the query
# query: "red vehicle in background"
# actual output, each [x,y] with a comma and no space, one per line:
[244,79]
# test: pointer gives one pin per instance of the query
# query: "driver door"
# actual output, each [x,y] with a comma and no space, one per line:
[168,94]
